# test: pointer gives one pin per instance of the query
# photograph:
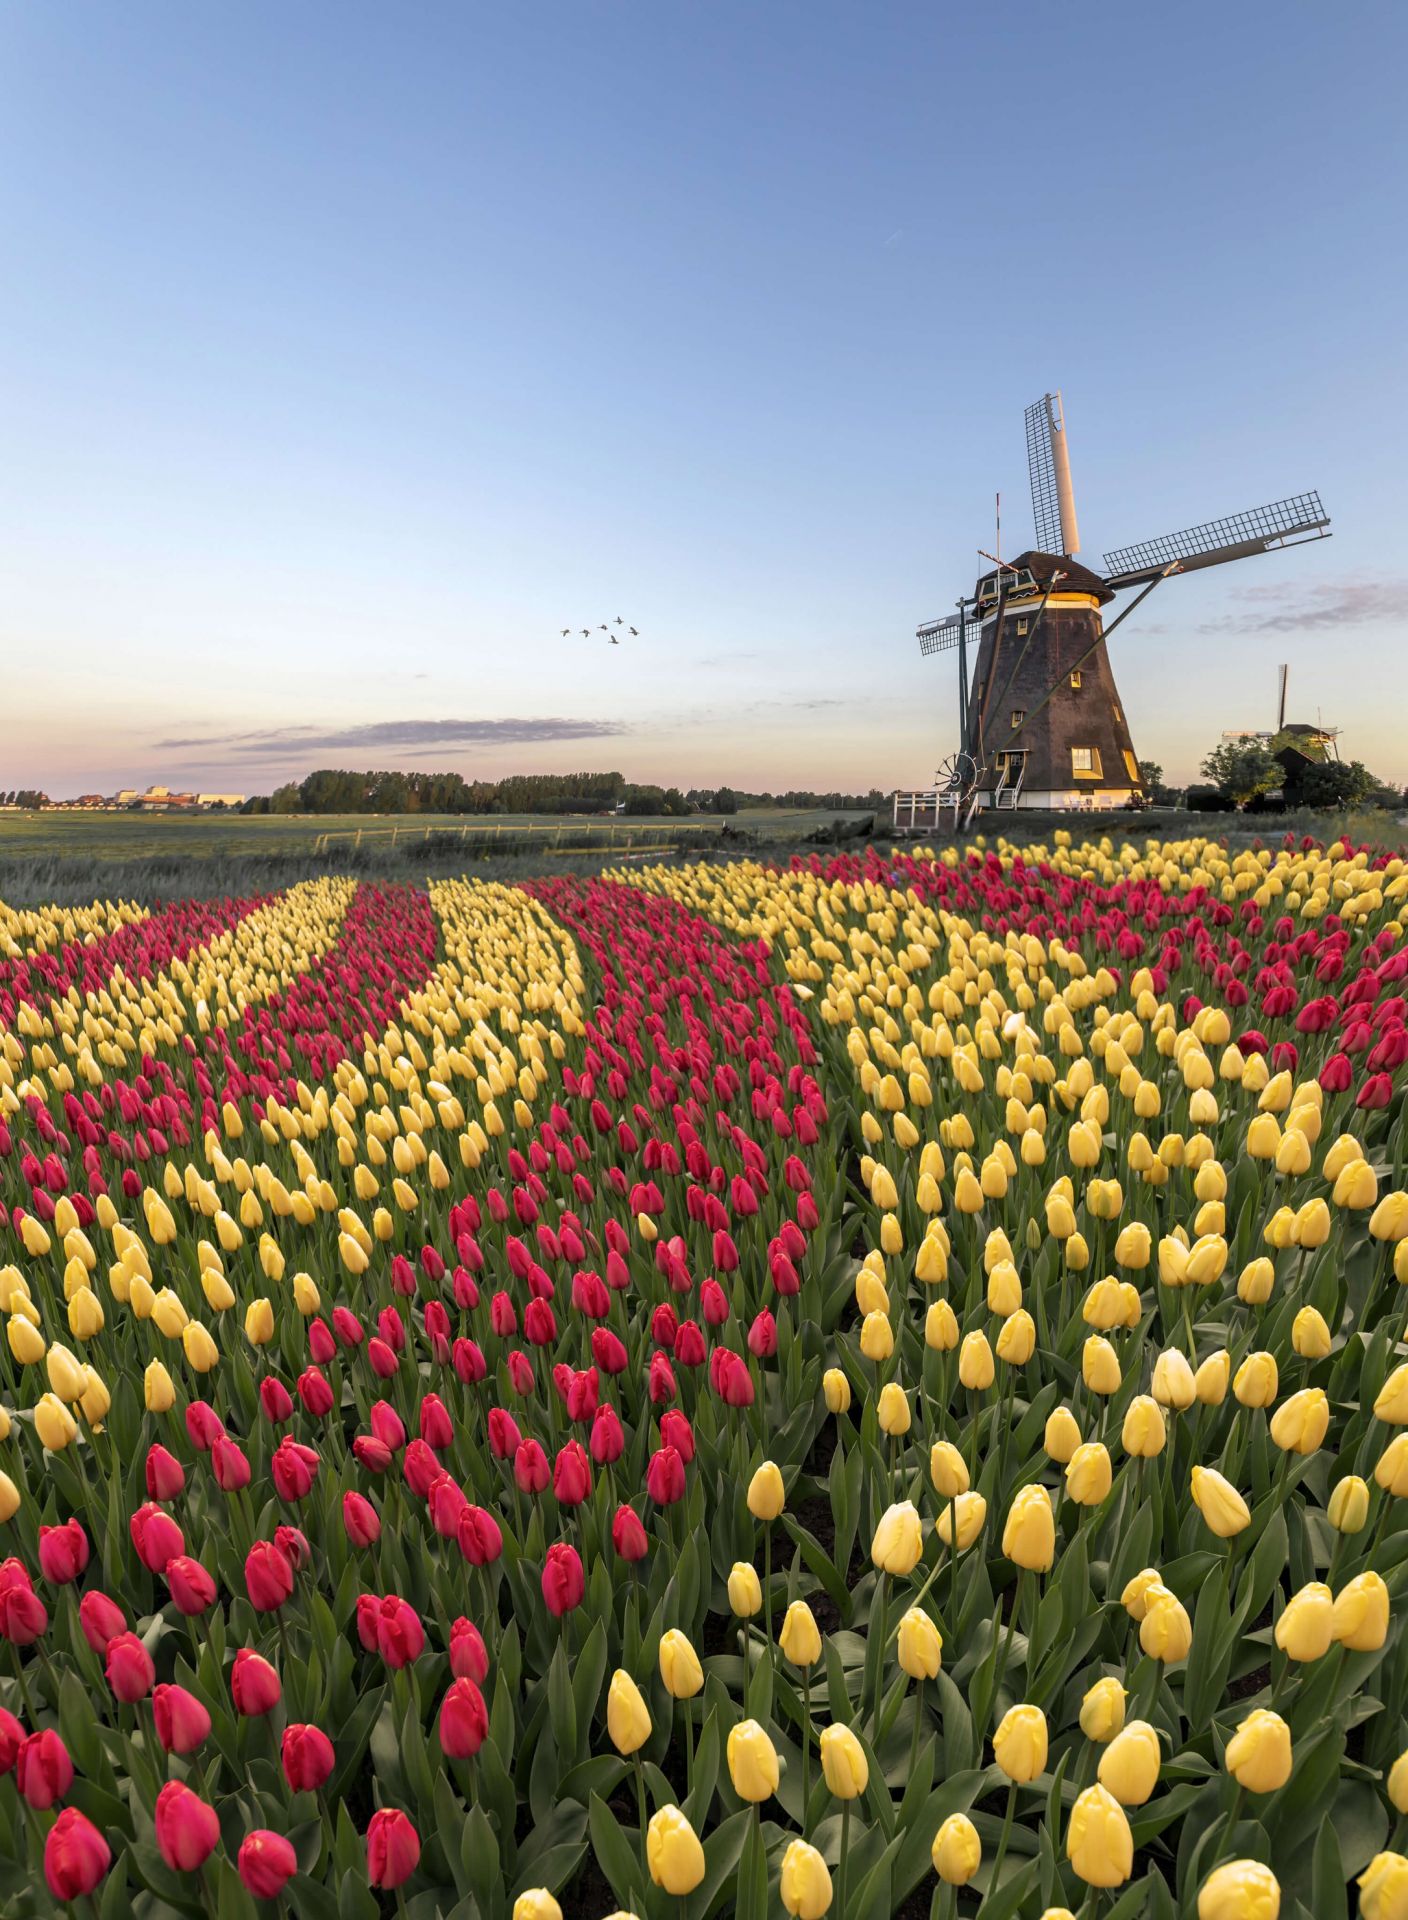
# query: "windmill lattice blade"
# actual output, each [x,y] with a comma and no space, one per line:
[1284,522]
[938,636]
[1046,499]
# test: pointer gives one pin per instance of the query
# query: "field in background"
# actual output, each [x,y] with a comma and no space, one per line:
[57,856]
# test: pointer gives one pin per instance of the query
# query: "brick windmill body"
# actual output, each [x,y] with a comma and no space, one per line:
[1041,723]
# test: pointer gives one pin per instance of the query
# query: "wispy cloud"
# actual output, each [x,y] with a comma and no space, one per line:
[1310,609]
[412,736]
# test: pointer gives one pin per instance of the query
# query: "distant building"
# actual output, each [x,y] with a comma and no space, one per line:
[220,799]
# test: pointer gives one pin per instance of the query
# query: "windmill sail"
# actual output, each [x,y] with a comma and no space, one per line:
[937,636]
[1048,463]
[1283,523]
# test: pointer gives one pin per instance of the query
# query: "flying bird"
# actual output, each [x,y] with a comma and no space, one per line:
[565,632]
[614,641]
[619,621]
[634,633]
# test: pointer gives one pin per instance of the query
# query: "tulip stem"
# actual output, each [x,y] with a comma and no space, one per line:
[640,1794]
[688,1749]
[842,1864]
[24,1687]
[918,1723]
[767,1605]
[806,1748]
[1005,1837]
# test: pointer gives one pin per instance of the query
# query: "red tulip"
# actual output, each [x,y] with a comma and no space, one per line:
[187,1829]
[628,1536]
[520,1372]
[43,1770]
[203,1425]
[12,1734]
[254,1684]
[192,1588]
[63,1552]
[436,1428]
[387,1425]
[446,1501]
[101,1619]
[369,1452]
[268,1577]
[383,1360]
[762,1336]
[468,1658]
[690,1349]
[266,1863]
[294,1468]
[230,1465]
[564,1582]
[464,1720]
[421,1468]
[608,1351]
[321,1344]
[347,1327]
[393,1848]
[182,1722]
[664,1477]
[315,1393]
[608,1442]
[504,1436]
[156,1537]
[76,1856]
[166,1477]
[360,1520]
[130,1669]
[292,1543]
[572,1475]
[275,1400]
[23,1615]
[307,1757]
[400,1637]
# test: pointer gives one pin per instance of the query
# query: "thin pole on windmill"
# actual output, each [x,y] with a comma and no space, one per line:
[1061,465]
[962,675]
[998,498]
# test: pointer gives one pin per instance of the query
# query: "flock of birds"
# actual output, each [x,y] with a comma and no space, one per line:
[615,640]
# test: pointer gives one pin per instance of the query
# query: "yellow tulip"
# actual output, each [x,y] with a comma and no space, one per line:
[1061,1435]
[627,1716]
[899,1539]
[1100,1366]
[1359,1619]
[1348,1506]
[1223,1509]
[948,1470]
[967,1514]
[957,1852]
[805,1884]
[1144,1433]
[1383,1888]
[800,1639]
[54,1424]
[1173,1383]
[679,1665]
[1240,1890]
[1029,1537]
[673,1852]
[920,1647]
[1258,1755]
[752,1761]
[1102,1710]
[1305,1627]
[976,1367]
[745,1590]
[766,1494]
[1088,1474]
[836,1390]
[1129,1766]
[1099,1844]
[843,1763]
[1019,1746]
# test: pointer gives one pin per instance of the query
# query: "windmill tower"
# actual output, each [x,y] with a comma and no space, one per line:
[1041,723]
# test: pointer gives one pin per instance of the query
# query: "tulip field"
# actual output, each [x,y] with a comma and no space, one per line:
[867,1386]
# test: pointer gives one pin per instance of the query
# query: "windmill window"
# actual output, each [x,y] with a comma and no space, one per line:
[1019,715]
[1132,767]
[1075,679]
[1119,717]
[1022,626]
[1085,763]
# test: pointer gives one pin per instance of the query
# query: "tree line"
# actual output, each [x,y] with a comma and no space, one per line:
[337,790]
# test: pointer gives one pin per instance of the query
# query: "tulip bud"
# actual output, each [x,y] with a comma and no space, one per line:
[1223,1509]
[1099,1843]
[1129,1766]
[673,1852]
[393,1848]
[1020,1743]
[1398,1783]
[957,1852]
[1348,1507]
[892,1410]
[1256,1381]
[1212,1379]
[1100,1366]
[745,1591]
[1166,1632]
[76,1856]
[1029,1537]
[800,1640]
[752,1762]
[1310,1336]
[1359,1619]
[877,1340]
[1144,1433]
[1240,1890]
[843,1763]
[806,1881]
[766,1494]
[920,1645]
[975,1363]
[1258,1755]
[1061,1436]
[187,1829]
[899,1539]
[1383,1888]
[969,1511]
[1102,1710]
[836,1389]
[679,1665]
[627,1716]
[941,1327]
[948,1470]
[1305,1626]
[1088,1474]
[1173,1384]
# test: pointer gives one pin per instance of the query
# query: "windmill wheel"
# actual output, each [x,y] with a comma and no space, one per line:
[960,773]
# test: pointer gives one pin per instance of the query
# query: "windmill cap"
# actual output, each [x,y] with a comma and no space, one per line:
[1074,577]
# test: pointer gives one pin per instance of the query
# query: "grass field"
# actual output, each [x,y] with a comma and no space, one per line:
[75,856]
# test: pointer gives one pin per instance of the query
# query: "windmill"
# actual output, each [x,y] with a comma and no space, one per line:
[1041,723]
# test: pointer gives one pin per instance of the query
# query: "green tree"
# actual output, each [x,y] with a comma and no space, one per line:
[725,801]
[1331,783]
[1151,774]
[1241,769]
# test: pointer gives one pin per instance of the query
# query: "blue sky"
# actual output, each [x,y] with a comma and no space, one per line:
[349,352]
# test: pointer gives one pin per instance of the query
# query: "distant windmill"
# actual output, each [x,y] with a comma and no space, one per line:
[1291,740]
[1042,724]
